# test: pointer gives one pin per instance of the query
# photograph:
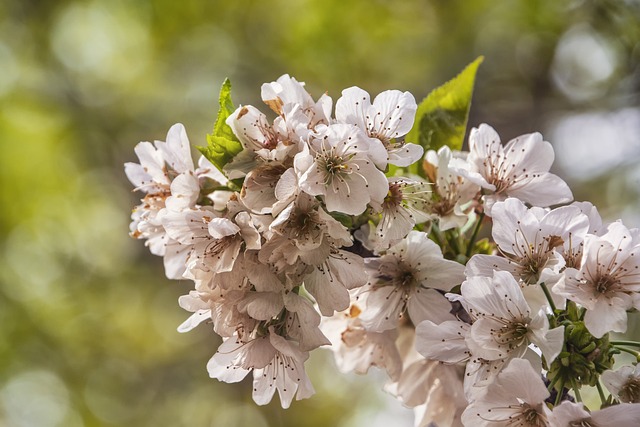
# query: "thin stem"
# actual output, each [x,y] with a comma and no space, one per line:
[559,395]
[453,241]
[548,295]
[601,392]
[441,239]
[574,386]
[553,383]
[435,236]
[474,236]
[629,343]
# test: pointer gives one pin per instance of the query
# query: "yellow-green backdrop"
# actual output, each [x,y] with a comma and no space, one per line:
[87,319]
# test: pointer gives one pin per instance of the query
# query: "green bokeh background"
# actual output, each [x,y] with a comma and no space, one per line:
[87,318]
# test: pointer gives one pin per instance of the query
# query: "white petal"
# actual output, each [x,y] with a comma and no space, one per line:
[394,113]
[485,265]
[261,305]
[348,268]
[330,295]
[175,259]
[544,190]
[552,343]
[530,153]
[177,150]
[406,155]
[351,107]
[383,308]
[350,196]
[221,365]
[220,228]
[444,342]
[606,316]
[621,415]
[428,304]
[185,191]
[194,320]
[206,169]
[484,142]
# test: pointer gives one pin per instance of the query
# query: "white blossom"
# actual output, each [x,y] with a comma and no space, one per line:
[453,194]
[339,165]
[161,162]
[357,349]
[570,414]
[388,119]
[277,364]
[608,280]
[216,241]
[287,91]
[303,231]
[505,325]
[623,383]
[532,242]
[515,398]
[403,207]
[518,169]
[406,280]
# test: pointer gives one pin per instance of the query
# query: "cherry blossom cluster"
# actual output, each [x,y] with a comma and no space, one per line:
[314,233]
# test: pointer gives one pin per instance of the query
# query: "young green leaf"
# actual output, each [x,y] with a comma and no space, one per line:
[222,145]
[441,118]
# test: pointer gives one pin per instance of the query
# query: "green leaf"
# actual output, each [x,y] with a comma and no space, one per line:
[442,116]
[226,109]
[223,145]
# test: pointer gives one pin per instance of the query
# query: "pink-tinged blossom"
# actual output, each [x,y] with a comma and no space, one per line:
[216,241]
[608,280]
[623,383]
[339,165]
[287,91]
[570,414]
[330,282]
[518,169]
[166,174]
[294,315]
[161,162]
[356,349]
[405,281]
[450,202]
[450,342]
[532,241]
[434,390]
[445,342]
[219,307]
[402,208]
[572,254]
[277,364]
[515,398]
[504,324]
[262,141]
[303,231]
[389,118]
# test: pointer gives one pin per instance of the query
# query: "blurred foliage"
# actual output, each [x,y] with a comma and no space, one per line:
[87,319]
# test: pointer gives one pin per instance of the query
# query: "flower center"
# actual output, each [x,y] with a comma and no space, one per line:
[630,392]
[512,334]
[394,196]
[604,283]
[334,165]
[531,266]
[531,417]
